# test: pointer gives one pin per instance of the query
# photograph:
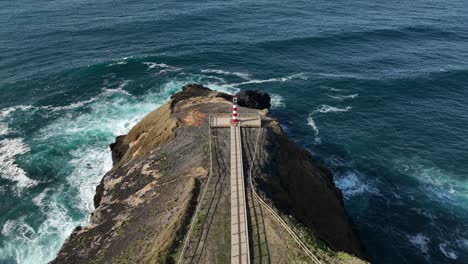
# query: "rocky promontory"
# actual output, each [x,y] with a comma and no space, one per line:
[145,204]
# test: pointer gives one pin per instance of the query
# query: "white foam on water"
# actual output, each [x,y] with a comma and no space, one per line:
[300,76]
[9,149]
[30,245]
[277,101]
[90,160]
[113,112]
[331,109]
[332,89]
[117,63]
[424,212]
[339,76]
[260,81]
[311,122]
[105,93]
[219,79]
[5,112]
[420,241]
[351,184]
[86,176]
[243,75]
[343,97]
[162,66]
[4,129]
[447,251]
[440,184]
[462,243]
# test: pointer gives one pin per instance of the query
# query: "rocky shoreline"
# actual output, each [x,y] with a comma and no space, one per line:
[145,203]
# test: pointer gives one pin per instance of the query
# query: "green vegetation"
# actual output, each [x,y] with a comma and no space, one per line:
[197,227]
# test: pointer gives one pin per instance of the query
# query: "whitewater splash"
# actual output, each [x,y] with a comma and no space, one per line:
[242,75]
[327,109]
[164,68]
[343,97]
[420,241]
[311,122]
[277,101]
[352,184]
[440,184]
[83,139]
[9,149]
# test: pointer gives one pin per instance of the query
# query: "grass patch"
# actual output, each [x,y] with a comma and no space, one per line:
[197,227]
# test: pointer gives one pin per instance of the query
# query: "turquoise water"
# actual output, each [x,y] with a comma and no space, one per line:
[378,91]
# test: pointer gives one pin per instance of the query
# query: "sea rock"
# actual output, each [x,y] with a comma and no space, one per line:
[254,99]
[146,202]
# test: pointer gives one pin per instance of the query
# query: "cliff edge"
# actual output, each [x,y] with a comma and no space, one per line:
[145,204]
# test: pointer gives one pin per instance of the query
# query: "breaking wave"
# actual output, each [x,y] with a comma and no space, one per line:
[242,75]
[343,97]
[162,66]
[327,109]
[277,101]
[420,241]
[352,185]
[311,122]
[9,149]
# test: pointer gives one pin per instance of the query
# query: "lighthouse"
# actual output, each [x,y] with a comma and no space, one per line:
[234,110]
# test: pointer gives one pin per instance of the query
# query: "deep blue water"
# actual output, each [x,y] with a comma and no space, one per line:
[378,91]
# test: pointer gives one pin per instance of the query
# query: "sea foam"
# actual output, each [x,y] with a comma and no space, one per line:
[9,149]
[447,251]
[243,75]
[420,241]
[162,66]
[311,122]
[277,101]
[343,97]
[352,185]
[327,109]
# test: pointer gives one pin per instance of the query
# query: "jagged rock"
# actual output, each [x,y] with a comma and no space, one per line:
[145,203]
[118,149]
[254,99]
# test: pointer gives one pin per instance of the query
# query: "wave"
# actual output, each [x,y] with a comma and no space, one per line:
[4,113]
[9,170]
[85,138]
[352,185]
[4,129]
[24,241]
[439,184]
[341,76]
[420,241]
[447,251]
[277,101]
[327,109]
[106,92]
[332,89]
[311,122]
[343,97]
[165,68]
[242,75]
[300,76]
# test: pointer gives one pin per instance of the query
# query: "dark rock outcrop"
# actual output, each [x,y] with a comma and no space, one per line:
[118,149]
[254,99]
[144,204]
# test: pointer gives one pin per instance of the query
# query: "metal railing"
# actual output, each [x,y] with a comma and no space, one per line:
[271,210]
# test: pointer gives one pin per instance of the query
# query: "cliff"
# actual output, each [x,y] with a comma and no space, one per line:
[145,204]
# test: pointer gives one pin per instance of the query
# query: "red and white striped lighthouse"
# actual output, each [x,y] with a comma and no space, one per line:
[234,109]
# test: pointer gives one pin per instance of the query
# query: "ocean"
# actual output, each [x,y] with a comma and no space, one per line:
[377,90]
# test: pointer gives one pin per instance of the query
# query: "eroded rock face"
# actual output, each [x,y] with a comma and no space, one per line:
[254,99]
[146,202]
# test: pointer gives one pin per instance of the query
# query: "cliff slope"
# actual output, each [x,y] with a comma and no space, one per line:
[145,203]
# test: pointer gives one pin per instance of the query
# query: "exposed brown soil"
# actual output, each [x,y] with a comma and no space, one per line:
[145,203]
